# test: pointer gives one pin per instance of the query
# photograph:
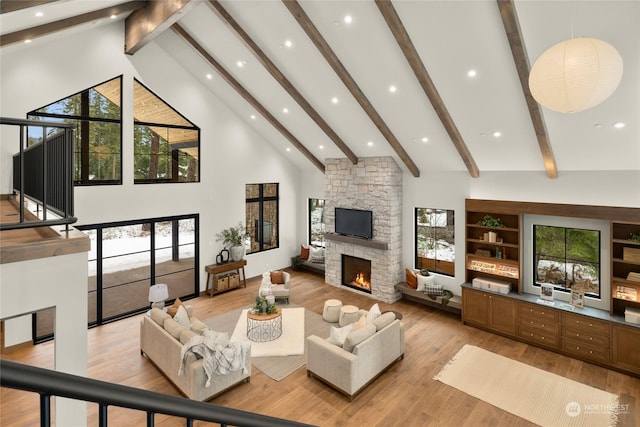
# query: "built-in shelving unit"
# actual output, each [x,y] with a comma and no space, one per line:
[625,267]
[493,252]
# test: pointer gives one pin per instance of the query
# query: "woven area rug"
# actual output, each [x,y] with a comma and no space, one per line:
[275,367]
[536,395]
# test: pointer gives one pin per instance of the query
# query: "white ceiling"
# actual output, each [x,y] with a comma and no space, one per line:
[451,37]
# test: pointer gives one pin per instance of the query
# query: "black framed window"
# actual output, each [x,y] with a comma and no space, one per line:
[97,114]
[316,222]
[166,144]
[262,216]
[435,246]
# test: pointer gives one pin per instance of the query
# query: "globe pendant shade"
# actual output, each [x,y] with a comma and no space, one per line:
[575,75]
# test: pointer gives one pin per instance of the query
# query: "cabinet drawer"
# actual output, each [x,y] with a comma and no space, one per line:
[596,326]
[585,351]
[532,310]
[585,336]
[535,322]
[538,336]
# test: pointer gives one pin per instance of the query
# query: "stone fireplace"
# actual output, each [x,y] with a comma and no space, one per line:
[356,273]
[375,184]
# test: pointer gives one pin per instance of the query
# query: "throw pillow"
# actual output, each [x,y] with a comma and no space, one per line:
[173,309]
[384,320]
[411,279]
[361,322]
[197,325]
[423,281]
[433,289]
[182,317]
[338,335]
[304,252]
[159,316]
[316,255]
[374,313]
[356,337]
[277,278]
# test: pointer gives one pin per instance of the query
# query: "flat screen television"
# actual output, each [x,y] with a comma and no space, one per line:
[354,222]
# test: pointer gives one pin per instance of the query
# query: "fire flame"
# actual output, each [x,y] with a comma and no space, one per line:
[362,281]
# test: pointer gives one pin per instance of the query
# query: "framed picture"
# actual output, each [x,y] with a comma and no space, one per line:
[577,298]
[546,292]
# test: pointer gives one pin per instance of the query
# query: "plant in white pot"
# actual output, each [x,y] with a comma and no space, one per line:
[233,238]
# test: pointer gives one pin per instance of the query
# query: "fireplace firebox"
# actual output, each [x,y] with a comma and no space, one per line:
[356,273]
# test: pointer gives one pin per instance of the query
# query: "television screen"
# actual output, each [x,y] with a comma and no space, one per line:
[354,222]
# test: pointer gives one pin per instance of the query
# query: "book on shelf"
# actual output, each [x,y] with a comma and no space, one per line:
[627,293]
[634,277]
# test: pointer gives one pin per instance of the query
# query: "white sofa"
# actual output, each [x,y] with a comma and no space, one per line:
[366,353]
[164,350]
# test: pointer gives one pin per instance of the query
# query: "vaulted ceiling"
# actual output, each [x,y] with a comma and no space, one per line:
[393,79]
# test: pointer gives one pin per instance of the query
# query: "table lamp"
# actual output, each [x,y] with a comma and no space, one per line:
[157,295]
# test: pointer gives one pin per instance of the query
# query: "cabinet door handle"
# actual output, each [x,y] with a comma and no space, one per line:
[577,348]
[543,325]
[542,337]
[590,338]
[577,335]
[590,351]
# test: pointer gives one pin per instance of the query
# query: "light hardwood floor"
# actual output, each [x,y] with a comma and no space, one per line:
[406,395]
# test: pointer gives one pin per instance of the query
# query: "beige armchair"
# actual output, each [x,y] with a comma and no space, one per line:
[278,290]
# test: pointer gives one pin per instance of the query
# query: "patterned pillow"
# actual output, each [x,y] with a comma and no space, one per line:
[316,255]
[433,289]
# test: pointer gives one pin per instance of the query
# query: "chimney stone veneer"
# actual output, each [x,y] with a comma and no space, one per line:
[374,184]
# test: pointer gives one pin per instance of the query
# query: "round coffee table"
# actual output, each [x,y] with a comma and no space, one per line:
[264,327]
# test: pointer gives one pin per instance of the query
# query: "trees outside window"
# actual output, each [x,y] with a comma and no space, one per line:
[262,217]
[435,240]
[96,112]
[316,222]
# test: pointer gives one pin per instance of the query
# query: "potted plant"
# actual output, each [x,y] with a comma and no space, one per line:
[232,238]
[489,221]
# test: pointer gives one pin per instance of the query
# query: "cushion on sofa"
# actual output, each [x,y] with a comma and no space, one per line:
[356,337]
[174,328]
[361,322]
[159,316]
[411,278]
[338,335]
[374,313]
[186,335]
[277,278]
[173,308]
[182,317]
[384,320]
[197,325]
[304,252]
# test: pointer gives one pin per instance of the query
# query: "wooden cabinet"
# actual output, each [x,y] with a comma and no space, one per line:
[625,267]
[489,310]
[538,324]
[493,252]
[586,337]
[626,348]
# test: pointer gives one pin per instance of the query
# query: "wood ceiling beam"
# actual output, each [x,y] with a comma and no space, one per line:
[321,44]
[246,95]
[282,79]
[521,59]
[413,58]
[147,23]
[64,24]
[7,6]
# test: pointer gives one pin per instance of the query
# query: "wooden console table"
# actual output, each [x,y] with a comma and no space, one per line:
[214,269]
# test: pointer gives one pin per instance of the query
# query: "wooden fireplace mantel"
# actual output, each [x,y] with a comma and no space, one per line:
[375,244]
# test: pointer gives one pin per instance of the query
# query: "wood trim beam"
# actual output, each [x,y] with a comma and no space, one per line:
[321,44]
[147,23]
[282,79]
[7,6]
[413,58]
[521,59]
[246,95]
[63,24]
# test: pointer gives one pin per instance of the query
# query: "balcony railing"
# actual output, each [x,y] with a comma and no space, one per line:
[43,173]
[50,383]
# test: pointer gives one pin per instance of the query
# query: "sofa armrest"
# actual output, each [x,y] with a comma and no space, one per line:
[331,363]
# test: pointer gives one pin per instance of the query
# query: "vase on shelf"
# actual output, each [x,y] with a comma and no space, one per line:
[237,252]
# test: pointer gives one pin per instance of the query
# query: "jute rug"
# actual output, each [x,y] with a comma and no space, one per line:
[536,395]
[275,367]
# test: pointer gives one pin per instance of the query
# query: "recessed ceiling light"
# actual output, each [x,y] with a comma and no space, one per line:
[209,76]
[27,41]
[497,134]
[347,19]
[334,100]
[285,110]
[472,73]
[321,147]
[288,148]
[253,117]
[618,125]
[241,63]
[393,88]
[370,143]
[425,139]
[39,14]
[288,43]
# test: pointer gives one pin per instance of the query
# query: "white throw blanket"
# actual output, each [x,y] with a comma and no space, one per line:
[217,359]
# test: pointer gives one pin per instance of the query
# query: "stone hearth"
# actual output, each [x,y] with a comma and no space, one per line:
[374,184]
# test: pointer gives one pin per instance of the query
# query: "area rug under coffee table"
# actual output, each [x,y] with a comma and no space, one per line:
[536,395]
[275,366]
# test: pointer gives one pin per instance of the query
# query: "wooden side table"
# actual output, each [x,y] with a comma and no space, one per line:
[227,267]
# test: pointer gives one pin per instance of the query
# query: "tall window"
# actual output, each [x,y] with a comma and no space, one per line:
[568,258]
[166,145]
[262,216]
[435,240]
[96,112]
[316,222]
